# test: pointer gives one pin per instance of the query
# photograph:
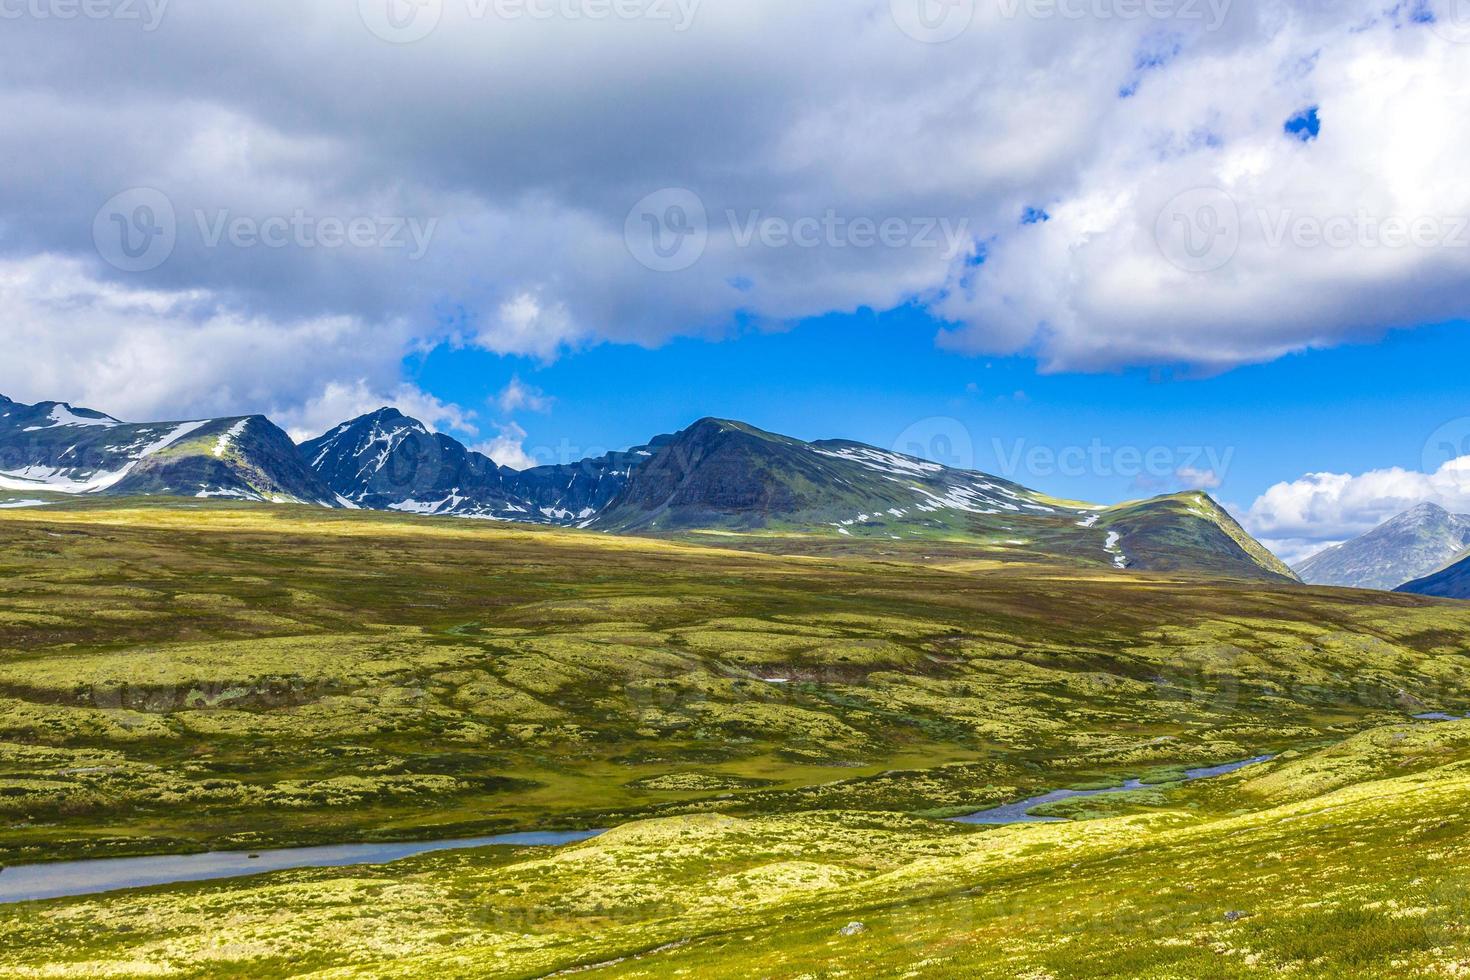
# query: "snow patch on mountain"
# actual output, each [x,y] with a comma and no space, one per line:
[63,414]
[1112,547]
[228,438]
[973,500]
[883,462]
[209,493]
[389,440]
[66,481]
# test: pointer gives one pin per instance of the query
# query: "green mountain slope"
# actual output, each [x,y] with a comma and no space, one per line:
[724,475]
[1189,532]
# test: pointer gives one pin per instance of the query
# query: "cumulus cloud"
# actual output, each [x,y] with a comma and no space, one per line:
[508,447]
[1198,478]
[527,324]
[1301,517]
[1206,233]
[471,188]
[518,395]
[144,354]
[341,401]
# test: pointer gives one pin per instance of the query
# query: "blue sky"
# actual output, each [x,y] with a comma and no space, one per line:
[871,377]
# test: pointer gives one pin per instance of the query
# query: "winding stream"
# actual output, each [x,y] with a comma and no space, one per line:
[1020,812]
[27,882]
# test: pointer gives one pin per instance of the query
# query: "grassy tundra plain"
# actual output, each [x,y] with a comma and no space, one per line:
[773,735]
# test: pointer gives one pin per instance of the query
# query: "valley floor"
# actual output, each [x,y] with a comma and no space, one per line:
[774,739]
[1239,879]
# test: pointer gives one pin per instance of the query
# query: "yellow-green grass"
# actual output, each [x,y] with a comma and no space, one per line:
[176,676]
[1218,879]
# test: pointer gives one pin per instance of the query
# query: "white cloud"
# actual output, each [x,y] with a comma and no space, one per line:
[527,324]
[146,355]
[1096,285]
[508,448]
[1319,510]
[1193,478]
[340,401]
[518,395]
[848,117]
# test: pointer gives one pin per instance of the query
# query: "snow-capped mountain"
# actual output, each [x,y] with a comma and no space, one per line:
[716,476]
[388,461]
[1410,546]
[52,447]
[725,476]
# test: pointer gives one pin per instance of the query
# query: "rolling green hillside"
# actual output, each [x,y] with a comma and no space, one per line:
[775,740]
[301,675]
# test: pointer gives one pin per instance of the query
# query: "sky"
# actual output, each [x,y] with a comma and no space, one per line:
[1106,248]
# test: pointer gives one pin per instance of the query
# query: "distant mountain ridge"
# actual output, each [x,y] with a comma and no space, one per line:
[717,477]
[52,447]
[388,461]
[1450,582]
[1408,547]
[724,475]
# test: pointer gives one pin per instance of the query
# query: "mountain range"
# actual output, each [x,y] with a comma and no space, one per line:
[716,477]
[53,447]
[388,461]
[1407,548]
[1423,551]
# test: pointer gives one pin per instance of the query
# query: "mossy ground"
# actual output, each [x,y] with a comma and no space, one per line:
[763,730]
